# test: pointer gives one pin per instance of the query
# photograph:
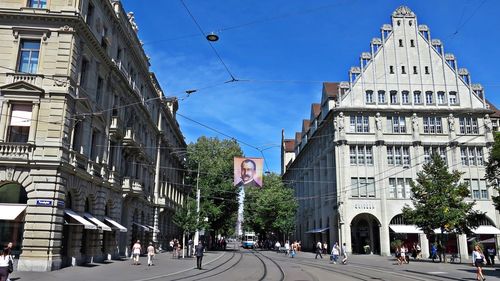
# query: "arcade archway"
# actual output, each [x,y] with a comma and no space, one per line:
[365,234]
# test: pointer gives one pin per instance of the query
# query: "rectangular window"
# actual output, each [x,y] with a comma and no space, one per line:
[83,72]
[394,97]
[472,156]
[390,155]
[392,188]
[417,99]
[408,192]
[98,93]
[400,187]
[369,96]
[433,125]
[40,4]
[406,156]
[361,155]
[381,97]
[453,98]
[429,150]
[359,124]
[355,187]
[90,14]
[370,187]
[429,98]
[397,124]
[427,154]
[28,56]
[398,155]
[483,188]
[475,189]
[440,98]
[468,125]
[20,122]
[353,155]
[369,155]
[405,97]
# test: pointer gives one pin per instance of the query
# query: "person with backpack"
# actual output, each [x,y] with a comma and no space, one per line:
[6,264]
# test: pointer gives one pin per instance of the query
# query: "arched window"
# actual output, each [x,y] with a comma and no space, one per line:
[398,219]
[13,193]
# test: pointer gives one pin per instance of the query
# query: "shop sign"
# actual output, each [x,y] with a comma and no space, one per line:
[43,202]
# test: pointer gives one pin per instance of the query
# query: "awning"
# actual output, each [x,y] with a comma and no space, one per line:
[116,225]
[143,227]
[86,224]
[97,222]
[405,228]
[153,229]
[318,230]
[486,229]
[10,212]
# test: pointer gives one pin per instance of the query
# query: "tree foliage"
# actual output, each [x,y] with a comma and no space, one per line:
[214,158]
[185,217]
[438,201]
[271,208]
[493,169]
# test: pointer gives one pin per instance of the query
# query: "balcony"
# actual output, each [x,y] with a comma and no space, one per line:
[16,151]
[130,138]
[33,79]
[132,186]
[116,127]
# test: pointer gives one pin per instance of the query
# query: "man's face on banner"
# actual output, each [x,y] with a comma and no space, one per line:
[247,171]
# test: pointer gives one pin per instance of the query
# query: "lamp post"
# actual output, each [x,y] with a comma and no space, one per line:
[197,233]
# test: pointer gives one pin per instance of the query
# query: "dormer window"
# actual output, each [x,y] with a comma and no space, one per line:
[369,97]
[381,96]
[394,97]
[453,98]
[417,98]
[429,97]
[440,97]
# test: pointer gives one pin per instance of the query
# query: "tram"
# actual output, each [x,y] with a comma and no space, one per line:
[248,240]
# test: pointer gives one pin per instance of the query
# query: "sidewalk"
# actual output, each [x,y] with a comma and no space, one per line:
[123,270]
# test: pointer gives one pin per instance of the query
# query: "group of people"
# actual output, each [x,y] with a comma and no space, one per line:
[290,249]
[335,254]
[137,251]
[6,262]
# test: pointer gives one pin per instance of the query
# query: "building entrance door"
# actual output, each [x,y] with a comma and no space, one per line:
[365,234]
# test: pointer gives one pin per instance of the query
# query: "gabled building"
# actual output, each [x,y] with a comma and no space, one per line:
[88,140]
[353,164]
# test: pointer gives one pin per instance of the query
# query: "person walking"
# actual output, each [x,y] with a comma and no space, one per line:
[491,253]
[433,252]
[344,253]
[318,250]
[478,261]
[277,246]
[287,248]
[198,251]
[335,253]
[136,252]
[5,264]
[9,252]
[294,249]
[325,248]
[151,253]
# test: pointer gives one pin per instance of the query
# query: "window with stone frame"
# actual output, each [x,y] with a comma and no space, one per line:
[396,124]
[400,188]
[20,123]
[394,97]
[359,124]
[29,51]
[405,97]
[361,155]
[478,189]
[39,4]
[440,150]
[398,156]
[381,96]
[363,187]
[369,97]
[429,97]
[452,97]
[468,126]
[441,99]
[433,125]
[417,97]
[472,156]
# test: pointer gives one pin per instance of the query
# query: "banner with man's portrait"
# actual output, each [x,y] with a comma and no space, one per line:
[248,172]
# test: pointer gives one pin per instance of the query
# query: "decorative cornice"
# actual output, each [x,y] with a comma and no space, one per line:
[403,12]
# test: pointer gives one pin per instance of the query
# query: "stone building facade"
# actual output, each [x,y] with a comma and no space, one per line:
[353,161]
[87,137]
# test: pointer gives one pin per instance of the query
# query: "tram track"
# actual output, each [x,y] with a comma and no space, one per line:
[282,272]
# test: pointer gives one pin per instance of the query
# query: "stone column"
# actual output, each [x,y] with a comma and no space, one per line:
[462,247]
[424,245]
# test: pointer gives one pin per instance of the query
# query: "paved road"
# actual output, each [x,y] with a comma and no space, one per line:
[242,264]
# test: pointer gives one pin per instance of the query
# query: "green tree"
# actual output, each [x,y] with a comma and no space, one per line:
[214,158]
[438,202]
[493,169]
[186,219]
[271,208]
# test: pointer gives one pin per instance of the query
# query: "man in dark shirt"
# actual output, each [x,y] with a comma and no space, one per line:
[198,251]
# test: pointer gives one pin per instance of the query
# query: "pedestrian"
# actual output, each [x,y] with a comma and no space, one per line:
[6,264]
[287,248]
[294,249]
[478,261]
[325,248]
[491,252]
[151,253]
[419,252]
[175,248]
[136,252]
[9,252]
[433,252]
[199,254]
[277,246]
[344,253]
[318,250]
[171,244]
[335,253]
[398,254]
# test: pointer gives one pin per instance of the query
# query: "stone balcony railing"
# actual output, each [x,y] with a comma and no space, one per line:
[33,79]
[132,186]
[16,151]
[116,127]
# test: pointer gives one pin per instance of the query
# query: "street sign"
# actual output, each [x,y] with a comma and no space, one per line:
[43,202]
[60,203]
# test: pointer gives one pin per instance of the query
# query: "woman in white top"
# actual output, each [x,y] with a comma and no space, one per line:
[477,261]
[4,264]
[136,252]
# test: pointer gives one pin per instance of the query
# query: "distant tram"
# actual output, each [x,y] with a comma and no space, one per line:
[248,240]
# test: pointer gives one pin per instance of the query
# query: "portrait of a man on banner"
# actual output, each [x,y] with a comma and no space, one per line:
[248,172]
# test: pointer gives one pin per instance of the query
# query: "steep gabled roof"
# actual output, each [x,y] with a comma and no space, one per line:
[289,145]
[305,126]
[330,91]
[315,111]
[298,138]
[496,113]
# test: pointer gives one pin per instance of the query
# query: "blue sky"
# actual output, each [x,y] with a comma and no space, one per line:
[287,48]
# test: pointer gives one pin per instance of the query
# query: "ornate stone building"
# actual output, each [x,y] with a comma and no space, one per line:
[86,135]
[353,161]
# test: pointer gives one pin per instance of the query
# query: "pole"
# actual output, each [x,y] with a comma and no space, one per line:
[197,233]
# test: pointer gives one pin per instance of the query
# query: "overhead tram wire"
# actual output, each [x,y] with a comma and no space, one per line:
[233,79]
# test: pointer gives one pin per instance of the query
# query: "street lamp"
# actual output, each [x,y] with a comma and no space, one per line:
[212,37]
